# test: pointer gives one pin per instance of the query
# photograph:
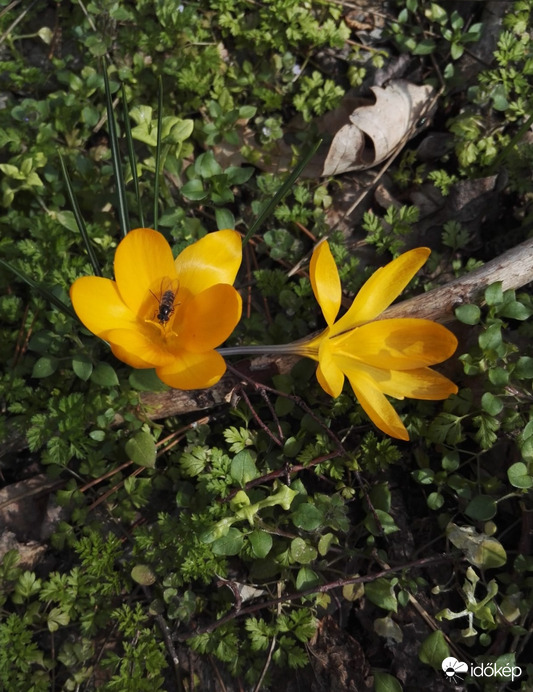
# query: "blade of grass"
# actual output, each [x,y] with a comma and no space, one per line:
[158,151]
[123,216]
[282,191]
[79,219]
[45,292]
[131,156]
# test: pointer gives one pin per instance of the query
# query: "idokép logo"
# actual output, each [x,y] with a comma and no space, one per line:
[452,669]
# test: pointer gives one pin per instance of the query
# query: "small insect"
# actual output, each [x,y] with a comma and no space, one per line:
[167,301]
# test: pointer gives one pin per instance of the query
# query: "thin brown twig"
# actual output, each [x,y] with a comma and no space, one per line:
[292,470]
[324,588]
[257,419]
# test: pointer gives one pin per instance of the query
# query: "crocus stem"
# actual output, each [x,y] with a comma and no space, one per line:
[285,349]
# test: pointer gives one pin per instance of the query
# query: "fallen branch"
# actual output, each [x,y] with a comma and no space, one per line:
[514,269]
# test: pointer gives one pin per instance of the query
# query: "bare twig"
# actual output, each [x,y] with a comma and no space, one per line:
[324,588]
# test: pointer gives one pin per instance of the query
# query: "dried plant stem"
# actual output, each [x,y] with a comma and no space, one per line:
[513,268]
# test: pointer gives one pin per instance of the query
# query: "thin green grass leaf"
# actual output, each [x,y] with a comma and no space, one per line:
[45,292]
[79,219]
[123,215]
[158,151]
[131,156]
[283,190]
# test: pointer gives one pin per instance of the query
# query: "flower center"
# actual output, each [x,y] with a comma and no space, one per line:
[161,306]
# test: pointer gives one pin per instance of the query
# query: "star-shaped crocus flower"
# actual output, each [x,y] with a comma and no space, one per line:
[379,357]
[165,313]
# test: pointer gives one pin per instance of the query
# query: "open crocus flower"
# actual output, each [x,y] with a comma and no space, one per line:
[163,313]
[379,357]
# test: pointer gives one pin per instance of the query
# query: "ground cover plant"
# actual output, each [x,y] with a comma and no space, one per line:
[260,534]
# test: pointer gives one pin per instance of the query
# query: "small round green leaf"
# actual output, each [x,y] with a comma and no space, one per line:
[518,475]
[481,508]
[381,593]
[499,377]
[243,468]
[491,338]
[143,575]
[515,310]
[423,476]
[247,112]
[489,554]
[307,517]
[386,523]
[306,579]
[450,461]
[435,500]
[194,190]
[45,366]
[230,544]
[325,542]
[82,367]
[225,219]
[491,404]
[146,381]
[494,293]
[104,375]
[434,650]
[141,449]
[383,682]
[468,314]
[182,130]
[283,406]
[526,447]
[238,175]
[302,552]
[207,166]
[261,543]
[524,368]
[292,446]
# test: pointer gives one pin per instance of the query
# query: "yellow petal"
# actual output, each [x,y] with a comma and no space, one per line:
[330,377]
[382,288]
[325,282]
[130,359]
[214,259]
[143,262]
[377,407]
[99,305]
[423,383]
[397,344]
[193,370]
[208,318]
[140,348]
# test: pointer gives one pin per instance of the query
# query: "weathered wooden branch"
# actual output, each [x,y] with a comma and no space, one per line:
[513,268]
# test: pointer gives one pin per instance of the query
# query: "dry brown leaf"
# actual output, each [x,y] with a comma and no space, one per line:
[375,132]
[364,134]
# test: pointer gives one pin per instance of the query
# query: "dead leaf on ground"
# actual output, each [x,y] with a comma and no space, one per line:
[375,132]
[358,134]
[338,660]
